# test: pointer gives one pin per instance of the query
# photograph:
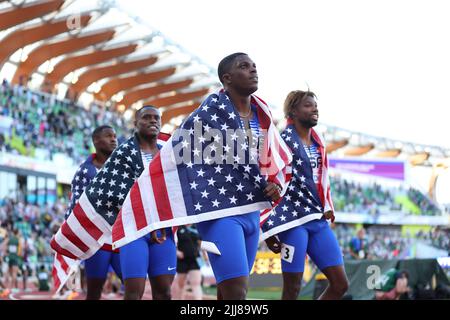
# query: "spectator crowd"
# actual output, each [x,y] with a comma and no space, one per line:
[43,126]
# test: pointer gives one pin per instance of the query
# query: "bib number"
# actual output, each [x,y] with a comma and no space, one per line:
[287,252]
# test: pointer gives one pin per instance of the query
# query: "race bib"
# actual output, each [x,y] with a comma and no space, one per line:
[287,252]
[12,249]
[362,254]
[43,276]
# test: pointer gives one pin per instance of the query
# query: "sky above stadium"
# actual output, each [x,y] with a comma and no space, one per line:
[378,67]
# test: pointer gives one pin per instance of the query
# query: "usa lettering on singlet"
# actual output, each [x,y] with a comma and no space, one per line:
[257,135]
[146,158]
[316,161]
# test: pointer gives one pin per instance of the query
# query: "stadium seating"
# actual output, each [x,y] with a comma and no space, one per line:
[350,196]
[43,126]
[389,243]
[36,224]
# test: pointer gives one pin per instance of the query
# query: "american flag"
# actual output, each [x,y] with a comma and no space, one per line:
[88,226]
[303,201]
[63,269]
[86,173]
[207,170]
[83,176]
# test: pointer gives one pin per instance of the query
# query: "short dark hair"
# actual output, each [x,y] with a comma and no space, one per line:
[99,130]
[225,64]
[402,273]
[146,107]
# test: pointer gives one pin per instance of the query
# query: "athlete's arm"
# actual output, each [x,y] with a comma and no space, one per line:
[273,244]
[273,191]
[154,236]
[328,215]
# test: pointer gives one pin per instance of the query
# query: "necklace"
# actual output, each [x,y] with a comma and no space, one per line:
[249,111]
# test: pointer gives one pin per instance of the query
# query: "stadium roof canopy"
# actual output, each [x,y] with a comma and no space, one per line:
[346,143]
[88,51]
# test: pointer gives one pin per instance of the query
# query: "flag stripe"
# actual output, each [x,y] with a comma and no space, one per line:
[146,188]
[173,183]
[126,221]
[62,262]
[160,193]
[57,272]
[118,232]
[108,247]
[73,237]
[55,246]
[138,209]
[95,217]
[329,204]
[324,193]
[68,245]
[87,224]
[62,267]
[61,274]
[263,118]
[56,280]
[80,232]
[282,149]
[280,156]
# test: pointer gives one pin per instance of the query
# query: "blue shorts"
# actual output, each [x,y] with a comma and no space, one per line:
[141,257]
[314,238]
[237,239]
[98,266]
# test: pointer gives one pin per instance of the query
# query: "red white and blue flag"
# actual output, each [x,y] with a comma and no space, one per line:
[305,199]
[63,269]
[88,225]
[207,170]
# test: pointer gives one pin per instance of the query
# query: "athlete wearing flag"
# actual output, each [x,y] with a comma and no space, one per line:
[222,167]
[298,225]
[206,171]
[237,236]
[88,227]
[96,267]
[152,254]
